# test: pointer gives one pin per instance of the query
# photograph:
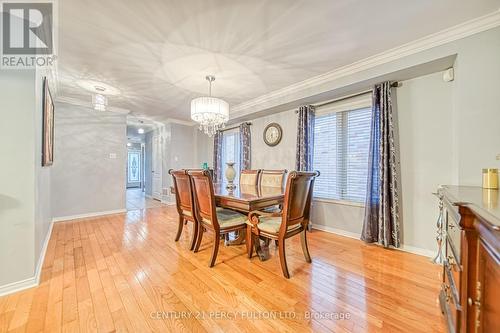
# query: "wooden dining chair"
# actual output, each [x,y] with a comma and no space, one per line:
[249,177]
[293,219]
[185,203]
[272,178]
[218,220]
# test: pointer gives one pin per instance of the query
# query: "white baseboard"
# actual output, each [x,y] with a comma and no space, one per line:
[87,215]
[336,231]
[32,281]
[418,250]
[354,235]
[18,286]
[41,259]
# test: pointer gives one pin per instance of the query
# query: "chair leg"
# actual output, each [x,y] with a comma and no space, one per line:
[179,228]
[215,249]
[305,249]
[249,241]
[195,236]
[284,267]
[201,229]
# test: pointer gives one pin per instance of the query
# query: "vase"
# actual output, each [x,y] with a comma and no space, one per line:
[230,175]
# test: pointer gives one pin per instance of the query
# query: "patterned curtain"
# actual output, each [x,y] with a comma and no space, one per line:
[305,139]
[217,157]
[382,219]
[245,147]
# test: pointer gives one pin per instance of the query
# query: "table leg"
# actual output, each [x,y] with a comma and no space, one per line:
[262,251]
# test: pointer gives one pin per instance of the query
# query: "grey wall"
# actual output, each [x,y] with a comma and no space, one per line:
[425,108]
[179,151]
[204,148]
[17,176]
[425,112]
[25,191]
[448,132]
[85,179]
[281,156]
[476,105]
[43,175]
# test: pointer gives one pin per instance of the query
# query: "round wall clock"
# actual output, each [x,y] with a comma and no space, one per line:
[272,134]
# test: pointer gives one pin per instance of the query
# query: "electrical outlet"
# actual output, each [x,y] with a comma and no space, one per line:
[112,155]
[498,157]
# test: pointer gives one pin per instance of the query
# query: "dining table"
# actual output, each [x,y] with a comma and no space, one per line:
[247,198]
[244,199]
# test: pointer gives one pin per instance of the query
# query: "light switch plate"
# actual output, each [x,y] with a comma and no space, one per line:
[498,157]
[112,155]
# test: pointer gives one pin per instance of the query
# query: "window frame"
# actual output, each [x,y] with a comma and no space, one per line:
[348,104]
[237,167]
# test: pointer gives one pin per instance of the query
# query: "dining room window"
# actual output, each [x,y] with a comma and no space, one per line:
[231,152]
[341,147]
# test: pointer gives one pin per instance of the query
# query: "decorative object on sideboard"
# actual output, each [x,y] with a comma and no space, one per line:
[230,175]
[490,198]
[273,134]
[48,126]
[490,179]
[209,112]
[438,259]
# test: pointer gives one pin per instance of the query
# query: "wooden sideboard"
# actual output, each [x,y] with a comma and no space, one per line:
[470,292]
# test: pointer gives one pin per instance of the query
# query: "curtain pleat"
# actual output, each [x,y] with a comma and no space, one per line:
[217,156]
[305,139]
[382,219]
[245,147]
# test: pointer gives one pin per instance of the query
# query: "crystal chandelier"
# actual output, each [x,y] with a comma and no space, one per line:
[210,112]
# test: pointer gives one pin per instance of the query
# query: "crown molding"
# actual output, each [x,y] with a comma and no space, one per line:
[179,122]
[86,104]
[442,37]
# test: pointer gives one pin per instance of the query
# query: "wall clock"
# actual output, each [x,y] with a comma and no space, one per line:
[272,134]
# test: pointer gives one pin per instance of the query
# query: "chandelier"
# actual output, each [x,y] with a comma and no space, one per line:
[210,112]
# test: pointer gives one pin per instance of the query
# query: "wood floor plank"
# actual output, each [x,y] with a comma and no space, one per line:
[125,273]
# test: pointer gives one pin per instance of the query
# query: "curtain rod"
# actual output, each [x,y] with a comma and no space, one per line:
[235,126]
[393,85]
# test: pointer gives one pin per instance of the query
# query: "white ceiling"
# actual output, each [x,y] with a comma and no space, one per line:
[157,53]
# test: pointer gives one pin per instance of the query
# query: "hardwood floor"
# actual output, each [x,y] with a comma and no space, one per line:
[125,273]
[136,199]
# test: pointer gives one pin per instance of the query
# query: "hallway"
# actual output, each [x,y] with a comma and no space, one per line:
[136,200]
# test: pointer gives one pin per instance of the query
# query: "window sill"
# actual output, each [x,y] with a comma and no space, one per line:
[340,202]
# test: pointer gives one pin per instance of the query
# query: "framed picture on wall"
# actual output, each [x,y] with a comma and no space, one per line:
[48,126]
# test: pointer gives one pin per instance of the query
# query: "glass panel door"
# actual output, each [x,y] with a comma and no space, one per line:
[134,168]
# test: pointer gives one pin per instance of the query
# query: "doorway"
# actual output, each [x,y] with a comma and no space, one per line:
[134,169]
[156,163]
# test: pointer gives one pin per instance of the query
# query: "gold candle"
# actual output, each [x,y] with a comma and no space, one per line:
[490,178]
